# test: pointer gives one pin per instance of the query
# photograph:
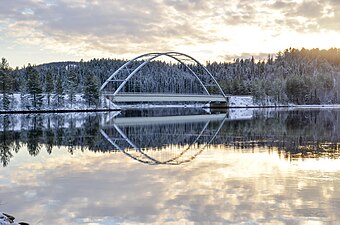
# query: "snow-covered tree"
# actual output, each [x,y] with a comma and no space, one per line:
[72,84]
[91,90]
[5,83]
[59,92]
[34,87]
[49,86]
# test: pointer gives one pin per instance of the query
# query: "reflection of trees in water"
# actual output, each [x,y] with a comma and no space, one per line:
[9,142]
[34,135]
[304,133]
[297,134]
[48,130]
[313,150]
[91,132]
[6,143]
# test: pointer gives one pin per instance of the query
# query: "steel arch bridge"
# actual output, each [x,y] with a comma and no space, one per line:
[131,68]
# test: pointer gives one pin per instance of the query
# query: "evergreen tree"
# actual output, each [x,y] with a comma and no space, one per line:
[59,91]
[49,86]
[297,89]
[72,84]
[91,91]
[34,86]
[5,83]
[17,80]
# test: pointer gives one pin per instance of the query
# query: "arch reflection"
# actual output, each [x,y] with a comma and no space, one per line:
[192,132]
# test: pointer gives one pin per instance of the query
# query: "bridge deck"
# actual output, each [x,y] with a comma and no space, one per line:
[155,97]
[139,121]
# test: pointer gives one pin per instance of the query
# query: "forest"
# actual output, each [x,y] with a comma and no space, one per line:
[299,76]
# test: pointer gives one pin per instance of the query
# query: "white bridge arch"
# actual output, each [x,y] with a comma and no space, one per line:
[122,75]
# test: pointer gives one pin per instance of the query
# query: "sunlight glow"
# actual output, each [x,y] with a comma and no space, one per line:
[216,179]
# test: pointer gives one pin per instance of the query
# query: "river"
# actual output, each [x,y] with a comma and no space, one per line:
[172,166]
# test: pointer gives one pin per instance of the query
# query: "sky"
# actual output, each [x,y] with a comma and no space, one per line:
[41,31]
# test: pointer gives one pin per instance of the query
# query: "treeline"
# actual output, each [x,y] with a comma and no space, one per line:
[296,76]
[49,86]
[292,76]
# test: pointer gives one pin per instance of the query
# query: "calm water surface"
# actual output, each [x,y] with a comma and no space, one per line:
[173,167]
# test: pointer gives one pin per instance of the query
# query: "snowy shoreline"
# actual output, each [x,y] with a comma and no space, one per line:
[336,106]
[241,102]
[55,111]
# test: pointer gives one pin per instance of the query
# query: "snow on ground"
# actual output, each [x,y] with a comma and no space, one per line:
[22,103]
[241,101]
[249,101]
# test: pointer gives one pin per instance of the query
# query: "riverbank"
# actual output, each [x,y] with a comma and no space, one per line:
[20,105]
[234,102]
[56,111]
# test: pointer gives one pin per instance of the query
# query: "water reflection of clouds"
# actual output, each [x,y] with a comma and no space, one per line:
[319,164]
[219,186]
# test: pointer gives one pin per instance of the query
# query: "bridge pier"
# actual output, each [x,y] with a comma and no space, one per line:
[218,105]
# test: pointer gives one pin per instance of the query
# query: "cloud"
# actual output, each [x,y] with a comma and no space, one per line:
[279,4]
[311,9]
[126,27]
[112,26]
[217,187]
[309,15]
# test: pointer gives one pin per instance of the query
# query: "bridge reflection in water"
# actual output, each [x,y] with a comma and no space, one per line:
[173,136]
[180,139]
